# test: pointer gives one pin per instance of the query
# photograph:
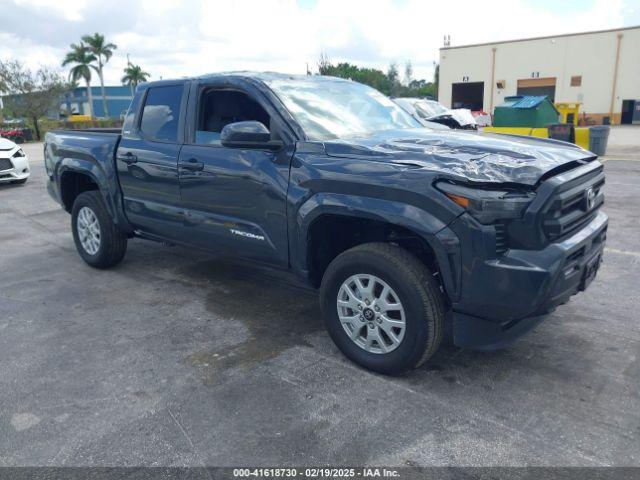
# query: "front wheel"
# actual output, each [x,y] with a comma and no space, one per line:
[382,308]
[98,240]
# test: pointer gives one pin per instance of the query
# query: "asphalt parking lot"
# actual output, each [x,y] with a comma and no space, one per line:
[178,358]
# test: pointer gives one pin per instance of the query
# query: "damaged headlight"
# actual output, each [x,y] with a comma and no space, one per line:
[19,153]
[488,206]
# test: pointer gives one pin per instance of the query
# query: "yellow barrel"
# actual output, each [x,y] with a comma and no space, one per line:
[582,137]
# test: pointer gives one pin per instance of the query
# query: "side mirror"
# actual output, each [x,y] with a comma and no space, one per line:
[250,134]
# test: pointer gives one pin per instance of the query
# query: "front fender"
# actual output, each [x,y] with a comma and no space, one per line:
[435,232]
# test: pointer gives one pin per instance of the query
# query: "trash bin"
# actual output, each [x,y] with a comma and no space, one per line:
[562,131]
[598,137]
[28,134]
[525,111]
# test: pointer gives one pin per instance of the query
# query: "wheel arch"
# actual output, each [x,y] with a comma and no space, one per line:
[328,224]
[79,175]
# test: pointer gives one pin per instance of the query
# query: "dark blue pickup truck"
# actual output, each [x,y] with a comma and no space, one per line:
[407,232]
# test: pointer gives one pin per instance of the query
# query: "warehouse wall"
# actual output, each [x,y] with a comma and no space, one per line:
[590,55]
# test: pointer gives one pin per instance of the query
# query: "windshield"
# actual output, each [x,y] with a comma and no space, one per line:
[429,109]
[336,109]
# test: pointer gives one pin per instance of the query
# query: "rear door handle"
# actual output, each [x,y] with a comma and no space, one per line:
[192,164]
[127,158]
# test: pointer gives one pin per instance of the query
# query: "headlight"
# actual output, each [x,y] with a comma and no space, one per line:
[487,206]
[19,153]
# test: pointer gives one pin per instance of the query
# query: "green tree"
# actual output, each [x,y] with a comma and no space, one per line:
[408,72]
[387,83]
[103,51]
[133,75]
[82,60]
[369,76]
[30,94]
[436,80]
[394,79]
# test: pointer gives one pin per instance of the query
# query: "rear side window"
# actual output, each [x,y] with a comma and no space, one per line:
[161,113]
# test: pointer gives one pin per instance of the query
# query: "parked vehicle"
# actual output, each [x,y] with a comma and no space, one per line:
[398,226]
[434,112]
[411,110]
[14,164]
[482,118]
[16,135]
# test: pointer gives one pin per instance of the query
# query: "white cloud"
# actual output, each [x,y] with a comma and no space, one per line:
[170,38]
[68,9]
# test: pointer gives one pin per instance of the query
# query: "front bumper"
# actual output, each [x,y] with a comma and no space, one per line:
[514,292]
[14,168]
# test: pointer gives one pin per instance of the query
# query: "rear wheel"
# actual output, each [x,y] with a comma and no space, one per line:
[382,308]
[98,241]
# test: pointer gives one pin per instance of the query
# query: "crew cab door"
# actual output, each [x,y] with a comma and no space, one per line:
[234,198]
[147,160]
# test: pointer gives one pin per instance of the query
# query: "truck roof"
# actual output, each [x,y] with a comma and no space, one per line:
[264,77]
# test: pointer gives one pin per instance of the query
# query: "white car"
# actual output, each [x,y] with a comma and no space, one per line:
[14,164]
[433,111]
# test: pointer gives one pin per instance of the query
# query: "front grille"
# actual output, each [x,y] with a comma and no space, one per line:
[5,164]
[573,206]
[502,240]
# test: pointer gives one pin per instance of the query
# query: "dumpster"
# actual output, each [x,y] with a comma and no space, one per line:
[598,137]
[534,111]
[562,131]
[569,111]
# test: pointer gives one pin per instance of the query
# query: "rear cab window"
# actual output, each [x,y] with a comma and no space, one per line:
[161,113]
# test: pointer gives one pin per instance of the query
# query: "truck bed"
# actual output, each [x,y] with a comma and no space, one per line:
[89,152]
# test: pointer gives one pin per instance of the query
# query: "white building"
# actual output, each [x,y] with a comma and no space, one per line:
[601,70]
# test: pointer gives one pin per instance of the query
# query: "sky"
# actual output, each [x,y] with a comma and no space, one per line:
[173,38]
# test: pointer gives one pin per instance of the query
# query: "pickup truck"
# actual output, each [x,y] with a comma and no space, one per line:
[406,232]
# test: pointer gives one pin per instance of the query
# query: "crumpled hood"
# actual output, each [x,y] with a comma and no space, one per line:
[476,157]
[461,115]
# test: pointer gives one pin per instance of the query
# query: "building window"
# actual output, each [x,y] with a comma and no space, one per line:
[576,81]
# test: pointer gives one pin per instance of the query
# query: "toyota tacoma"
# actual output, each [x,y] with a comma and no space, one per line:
[406,232]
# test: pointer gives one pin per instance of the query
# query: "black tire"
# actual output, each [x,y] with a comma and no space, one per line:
[113,242]
[418,292]
[21,181]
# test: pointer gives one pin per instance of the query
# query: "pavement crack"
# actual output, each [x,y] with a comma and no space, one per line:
[190,442]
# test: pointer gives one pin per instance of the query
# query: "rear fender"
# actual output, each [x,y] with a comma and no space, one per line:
[106,181]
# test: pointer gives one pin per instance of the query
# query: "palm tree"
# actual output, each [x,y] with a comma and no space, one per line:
[103,52]
[82,59]
[133,75]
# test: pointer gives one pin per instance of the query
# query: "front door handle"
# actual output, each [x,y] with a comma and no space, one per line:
[127,158]
[192,164]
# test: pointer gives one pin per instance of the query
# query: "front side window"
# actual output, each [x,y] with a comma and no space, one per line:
[221,107]
[161,113]
[327,109]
